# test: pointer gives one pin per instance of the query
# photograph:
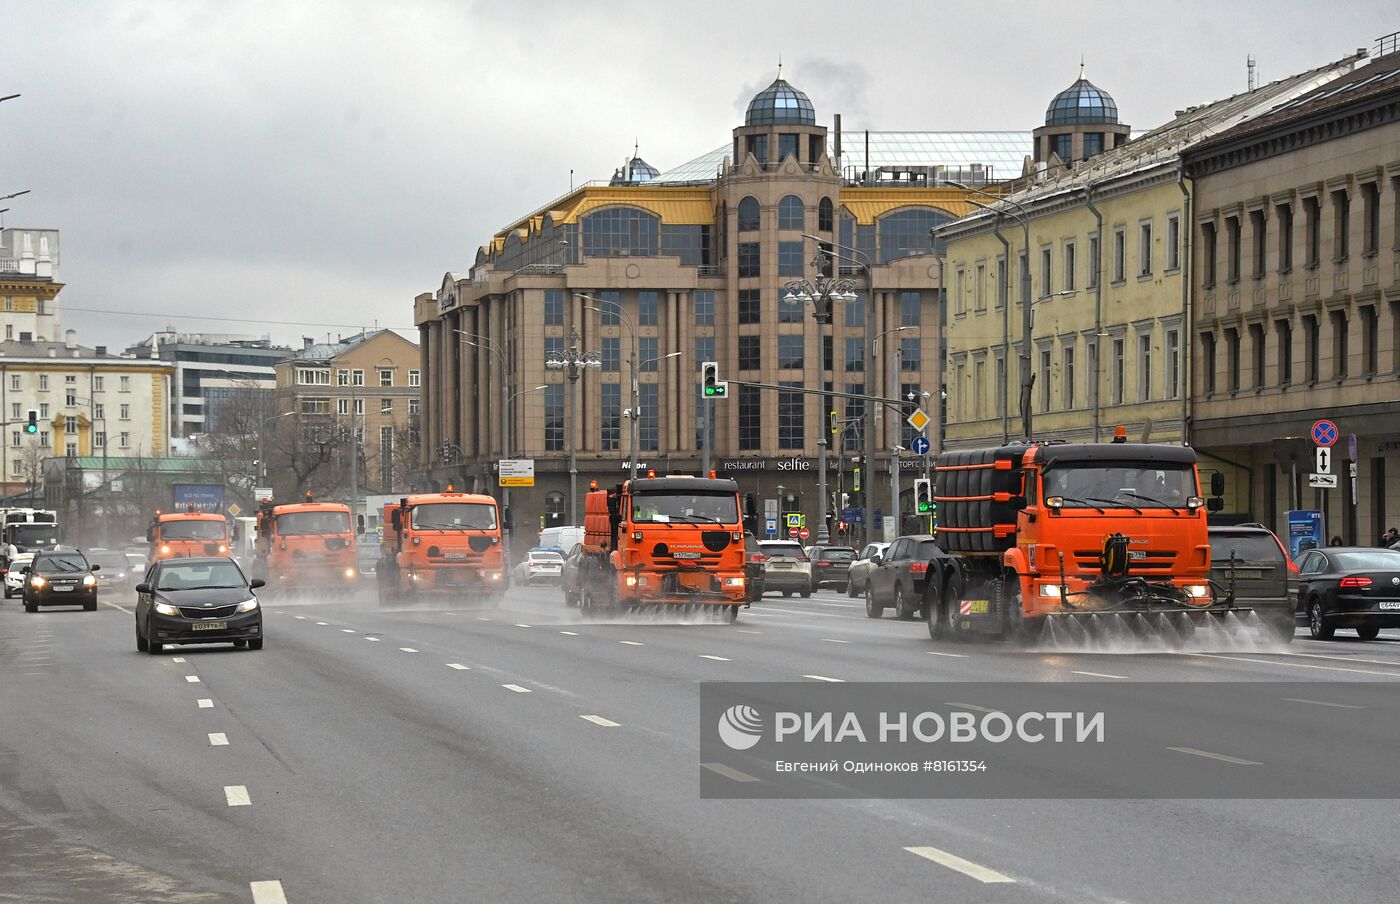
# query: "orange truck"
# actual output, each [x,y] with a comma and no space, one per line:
[306,545]
[664,541]
[188,533]
[1076,539]
[442,543]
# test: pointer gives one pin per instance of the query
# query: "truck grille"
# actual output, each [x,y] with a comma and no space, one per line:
[1153,560]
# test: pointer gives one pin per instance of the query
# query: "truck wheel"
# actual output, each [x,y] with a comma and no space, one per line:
[732,615]
[952,599]
[872,608]
[571,598]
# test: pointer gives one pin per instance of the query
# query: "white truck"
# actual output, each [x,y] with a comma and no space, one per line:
[26,530]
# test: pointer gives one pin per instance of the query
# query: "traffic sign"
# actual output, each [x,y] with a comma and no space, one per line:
[1322,481]
[1324,433]
[517,472]
[792,532]
[1351,446]
[921,445]
[233,509]
[919,419]
[804,533]
[261,493]
[772,526]
[794,519]
[1324,460]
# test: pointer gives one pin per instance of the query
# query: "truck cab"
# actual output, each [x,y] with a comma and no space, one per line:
[445,543]
[188,533]
[306,545]
[27,530]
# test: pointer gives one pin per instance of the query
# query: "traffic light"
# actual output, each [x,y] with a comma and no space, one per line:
[714,387]
[923,497]
[33,425]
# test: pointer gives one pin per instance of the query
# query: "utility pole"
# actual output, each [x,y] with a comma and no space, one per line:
[573,361]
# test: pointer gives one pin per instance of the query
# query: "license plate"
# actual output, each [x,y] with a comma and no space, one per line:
[685,555]
[58,589]
[1388,606]
[209,626]
[454,555]
[1136,554]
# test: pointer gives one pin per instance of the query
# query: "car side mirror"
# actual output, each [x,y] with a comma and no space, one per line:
[876,559]
[96,568]
[143,588]
[255,583]
[396,518]
[150,534]
[24,569]
[1215,504]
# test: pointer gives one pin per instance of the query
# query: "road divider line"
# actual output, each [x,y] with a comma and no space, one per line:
[218,739]
[178,659]
[322,624]
[972,706]
[518,625]
[1097,674]
[744,631]
[375,639]
[482,618]
[833,640]
[632,643]
[517,688]
[599,720]
[237,796]
[728,772]
[407,650]
[268,891]
[570,633]
[115,606]
[458,666]
[715,658]
[824,678]
[957,864]
[299,616]
[1322,703]
[1224,758]
[192,679]
[347,630]
[1296,665]
[206,703]
[941,653]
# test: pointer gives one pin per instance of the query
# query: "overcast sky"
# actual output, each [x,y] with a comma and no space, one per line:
[325,162]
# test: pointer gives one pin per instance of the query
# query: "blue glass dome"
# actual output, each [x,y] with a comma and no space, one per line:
[1082,103]
[780,104]
[634,172]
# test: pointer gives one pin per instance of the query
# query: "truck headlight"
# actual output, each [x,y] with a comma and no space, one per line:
[1197,591]
[349,572]
[165,550]
[1050,590]
[248,605]
[734,582]
[166,609]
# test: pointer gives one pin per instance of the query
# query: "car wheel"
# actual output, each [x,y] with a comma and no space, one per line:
[787,593]
[872,608]
[901,610]
[30,607]
[140,641]
[1368,632]
[154,647]
[255,644]
[806,594]
[1317,627]
[8,594]
[852,591]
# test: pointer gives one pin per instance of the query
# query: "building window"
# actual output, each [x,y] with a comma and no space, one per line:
[44,410]
[979,299]
[910,308]
[15,382]
[704,304]
[553,307]
[791,213]
[1370,340]
[359,406]
[825,214]
[1119,373]
[750,355]
[1232,250]
[855,355]
[610,307]
[43,382]
[1208,255]
[14,438]
[1371,210]
[1145,367]
[789,309]
[97,383]
[611,437]
[124,412]
[852,416]
[750,308]
[791,418]
[1067,377]
[790,352]
[647,352]
[342,377]
[648,309]
[1340,344]
[1173,386]
[1071,270]
[1208,361]
[1173,244]
[1312,343]
[414,378]
[704,350]
[750,419]
[1341,225]
[70,425]
[70,399]
[1283,330]
[15,411]
[610,353]
[1002,287]
[855,311]
[70,449]
[306,376]
[1232,359]
[1312,211]
[910,354]
[1001,382]
[626,231]
[758,147]
[1259,353]
[413,407]
[1144,249]
[959,298]
[386,376]
[308,406]
[342,406]
[1044,380]
[386,406]
[554,417]
[749,259]
[649,424]
[1093,279]
[787,146]
[748,214]
[1062,146]
[553,348]
[1046,286]
[70,380]
[99,439]
[979,379]
[123,440]
[1259,237]
[1120,241]
[1284,212]
[790,259]
[357,377]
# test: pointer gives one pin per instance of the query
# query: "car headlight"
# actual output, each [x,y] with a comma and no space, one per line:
[37,581]
[166,609]
[90,580]
[248,605]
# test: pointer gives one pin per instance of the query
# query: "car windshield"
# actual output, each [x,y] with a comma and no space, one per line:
[1377,560]
[1246,548]
[110,561]
[1124,484]
[454,516]
[61,563]
[192,530]
[838,555]
[209,575]
[782,550]
[314,523]
[661,508]
[34,534]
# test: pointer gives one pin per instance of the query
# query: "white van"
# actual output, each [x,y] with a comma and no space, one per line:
[562,537]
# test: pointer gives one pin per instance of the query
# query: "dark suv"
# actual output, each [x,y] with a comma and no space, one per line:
[831,565]
[900,577]
[1248,561]
[60,579]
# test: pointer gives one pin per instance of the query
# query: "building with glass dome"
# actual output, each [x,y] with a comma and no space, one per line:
[1080,122]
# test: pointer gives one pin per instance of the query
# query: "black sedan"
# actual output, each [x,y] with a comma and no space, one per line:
[197,600]
[59,579]
[1349,587]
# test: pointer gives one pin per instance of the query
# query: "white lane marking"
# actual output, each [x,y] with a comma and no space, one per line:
[833,640]
[178,659]
[347,630]
[268,891]
[482,618]
[971,706]
[824,678]
[1096,674]
[192,679]
[1322,703]
[1389,662]
[570,633]
[115,606]
[941,653]
[715,658]
[632,643]
[958,864]
[407,650]
[1296,665]
[743,631]
[458,666]
[517,688]
[728,772]
[321,623]
[518,625]
[375,639]
[599,720]
[1215,756]
[237,796]
[218,739]
[206,703]
[298,616]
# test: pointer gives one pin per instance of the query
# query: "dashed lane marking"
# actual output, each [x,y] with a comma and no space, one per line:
[482,618]
[192,679]
[1215,756]
[268,891]
[218,739]
[519,625]
[115,606]
[206,703]
[744,631]
[941,653]
[347,630]
[321,623]
[375,639]
[237,796]
[1096,674]
[1322,703]
[299,616]
[715,658]
[1296,665]
[407,650]
[517,688]
[728,772]
[599,720]
[825,678]
[178,659]
[958,864]
[632,643]
[972,706]
[833,640]
[570,633]
[459,667]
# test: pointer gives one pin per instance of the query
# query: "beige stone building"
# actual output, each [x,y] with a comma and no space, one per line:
[1297,310]
[691,264]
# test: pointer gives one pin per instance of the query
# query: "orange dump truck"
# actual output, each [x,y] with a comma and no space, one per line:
[306,546]
[664,541]
[442,543]
[188,533]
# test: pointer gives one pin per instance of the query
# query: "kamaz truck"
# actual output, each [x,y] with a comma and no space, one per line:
[442,544]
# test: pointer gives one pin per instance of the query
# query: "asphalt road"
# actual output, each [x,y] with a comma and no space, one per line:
[524,754]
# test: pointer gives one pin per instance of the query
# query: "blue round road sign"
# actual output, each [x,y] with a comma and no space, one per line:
[921,445]
[1324,433]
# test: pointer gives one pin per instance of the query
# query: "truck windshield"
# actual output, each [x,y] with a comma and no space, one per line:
[32,535]
[192,530]
[314,523]
[454,516]
[661,508]
[1127,484]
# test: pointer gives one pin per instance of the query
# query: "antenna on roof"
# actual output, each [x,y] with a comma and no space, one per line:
[780,65]
[1253,72]
[1081,65]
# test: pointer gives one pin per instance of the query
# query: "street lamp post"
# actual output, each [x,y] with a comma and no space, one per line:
[573,362]
[615,309]
[262,436]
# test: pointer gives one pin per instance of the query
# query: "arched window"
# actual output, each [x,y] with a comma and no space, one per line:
[824,215]
[904,233]
[791,213]
[620,230]
[748,214]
